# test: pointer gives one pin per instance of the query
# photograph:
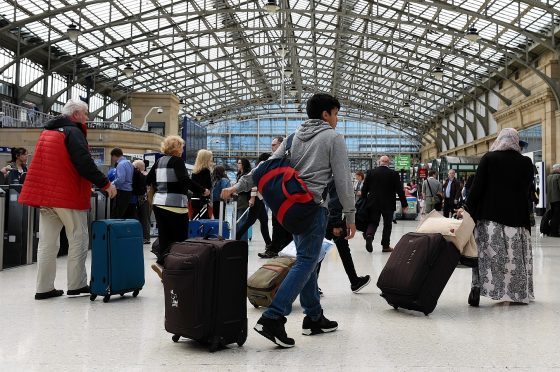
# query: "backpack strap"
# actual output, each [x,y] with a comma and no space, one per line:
[289,141]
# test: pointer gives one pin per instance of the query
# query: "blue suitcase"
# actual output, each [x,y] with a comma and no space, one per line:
[207,229]
[117,258]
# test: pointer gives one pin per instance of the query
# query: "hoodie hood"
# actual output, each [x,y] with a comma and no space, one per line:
[311,128]
[63,121]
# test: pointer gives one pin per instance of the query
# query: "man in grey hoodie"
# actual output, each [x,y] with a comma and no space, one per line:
[319,154]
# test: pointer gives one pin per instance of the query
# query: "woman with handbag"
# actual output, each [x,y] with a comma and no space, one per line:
[170,201]
[498,203]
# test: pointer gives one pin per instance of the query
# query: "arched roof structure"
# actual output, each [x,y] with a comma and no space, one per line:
[221,57]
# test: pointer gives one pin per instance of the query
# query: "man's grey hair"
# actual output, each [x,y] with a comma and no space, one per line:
[73,106]
[556,168]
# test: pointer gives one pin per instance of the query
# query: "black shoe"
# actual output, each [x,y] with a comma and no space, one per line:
[274,330]
[360,283]
[76,292]
[49,294]
[369,246]
[268,254]
[323,325]
[395,222]
[474,297]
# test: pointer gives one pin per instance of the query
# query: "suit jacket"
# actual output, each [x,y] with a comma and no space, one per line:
[455,189]
[380,187]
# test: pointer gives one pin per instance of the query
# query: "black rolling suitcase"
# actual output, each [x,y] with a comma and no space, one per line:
[205,284]
[417,271]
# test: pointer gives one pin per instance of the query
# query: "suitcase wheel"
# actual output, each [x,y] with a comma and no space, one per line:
[215,344]
[242,338]
[92,297]
[135,293]
[106,298]
[175,338]
[394,306]
[426,314]
[122,294]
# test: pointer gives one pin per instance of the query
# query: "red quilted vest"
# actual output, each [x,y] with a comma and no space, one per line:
[52,180]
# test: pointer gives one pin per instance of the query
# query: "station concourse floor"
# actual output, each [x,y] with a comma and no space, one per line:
[74,334]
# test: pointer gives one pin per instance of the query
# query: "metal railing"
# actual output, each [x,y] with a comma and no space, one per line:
[14,116]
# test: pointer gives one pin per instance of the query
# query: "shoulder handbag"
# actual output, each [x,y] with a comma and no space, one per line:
[438,205]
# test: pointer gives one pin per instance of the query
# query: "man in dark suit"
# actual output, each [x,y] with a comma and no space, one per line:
[380,186]
[451,193]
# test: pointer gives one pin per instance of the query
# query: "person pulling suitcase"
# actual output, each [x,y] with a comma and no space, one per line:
[310,158]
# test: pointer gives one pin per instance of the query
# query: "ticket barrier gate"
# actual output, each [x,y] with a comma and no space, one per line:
[16,250]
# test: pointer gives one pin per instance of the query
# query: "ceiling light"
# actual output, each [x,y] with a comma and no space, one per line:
[406,107]
[198,116]
[421,91]
[282,51]
[128,70]
[288,71]
[437,72]
[472,35]
[293,89]
[73,32]
[271,6]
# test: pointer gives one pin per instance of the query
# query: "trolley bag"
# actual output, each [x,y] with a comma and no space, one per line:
[417,271]
[117,258]
[263,284]
[205,286]
[208,229]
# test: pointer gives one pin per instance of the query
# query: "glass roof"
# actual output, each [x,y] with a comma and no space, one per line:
[221,56]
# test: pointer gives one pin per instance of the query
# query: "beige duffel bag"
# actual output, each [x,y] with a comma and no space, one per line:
[459,232]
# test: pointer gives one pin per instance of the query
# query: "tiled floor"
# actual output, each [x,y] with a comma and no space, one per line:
[74,334]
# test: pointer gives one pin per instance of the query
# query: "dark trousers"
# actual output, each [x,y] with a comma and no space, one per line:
[555,219]
[344,252]
[280,236]
[216,209]
[375,218]
[197,206]
[172,227]
[121,207]
[448,207]
[143,208]
[256,212]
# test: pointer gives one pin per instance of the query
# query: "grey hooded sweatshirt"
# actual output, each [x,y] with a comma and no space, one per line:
[319,154]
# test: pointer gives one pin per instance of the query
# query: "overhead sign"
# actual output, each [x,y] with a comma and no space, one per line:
[402,162]
[423,173]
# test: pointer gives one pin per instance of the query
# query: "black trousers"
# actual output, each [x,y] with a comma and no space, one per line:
[280,236]
[343,249]
[143,208]
[375,218]
[555,219]
[121,207]
[256,212]
[448,207]
[172,227]
[197,205]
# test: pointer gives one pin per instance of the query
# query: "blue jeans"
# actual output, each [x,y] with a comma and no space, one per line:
[302,278]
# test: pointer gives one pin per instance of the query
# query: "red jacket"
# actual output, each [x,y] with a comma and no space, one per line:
[62,170]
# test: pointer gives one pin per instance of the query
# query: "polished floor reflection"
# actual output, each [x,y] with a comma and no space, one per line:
[74,334]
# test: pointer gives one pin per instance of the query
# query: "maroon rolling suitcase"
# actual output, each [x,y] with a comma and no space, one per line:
[205,284]
[417,271]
